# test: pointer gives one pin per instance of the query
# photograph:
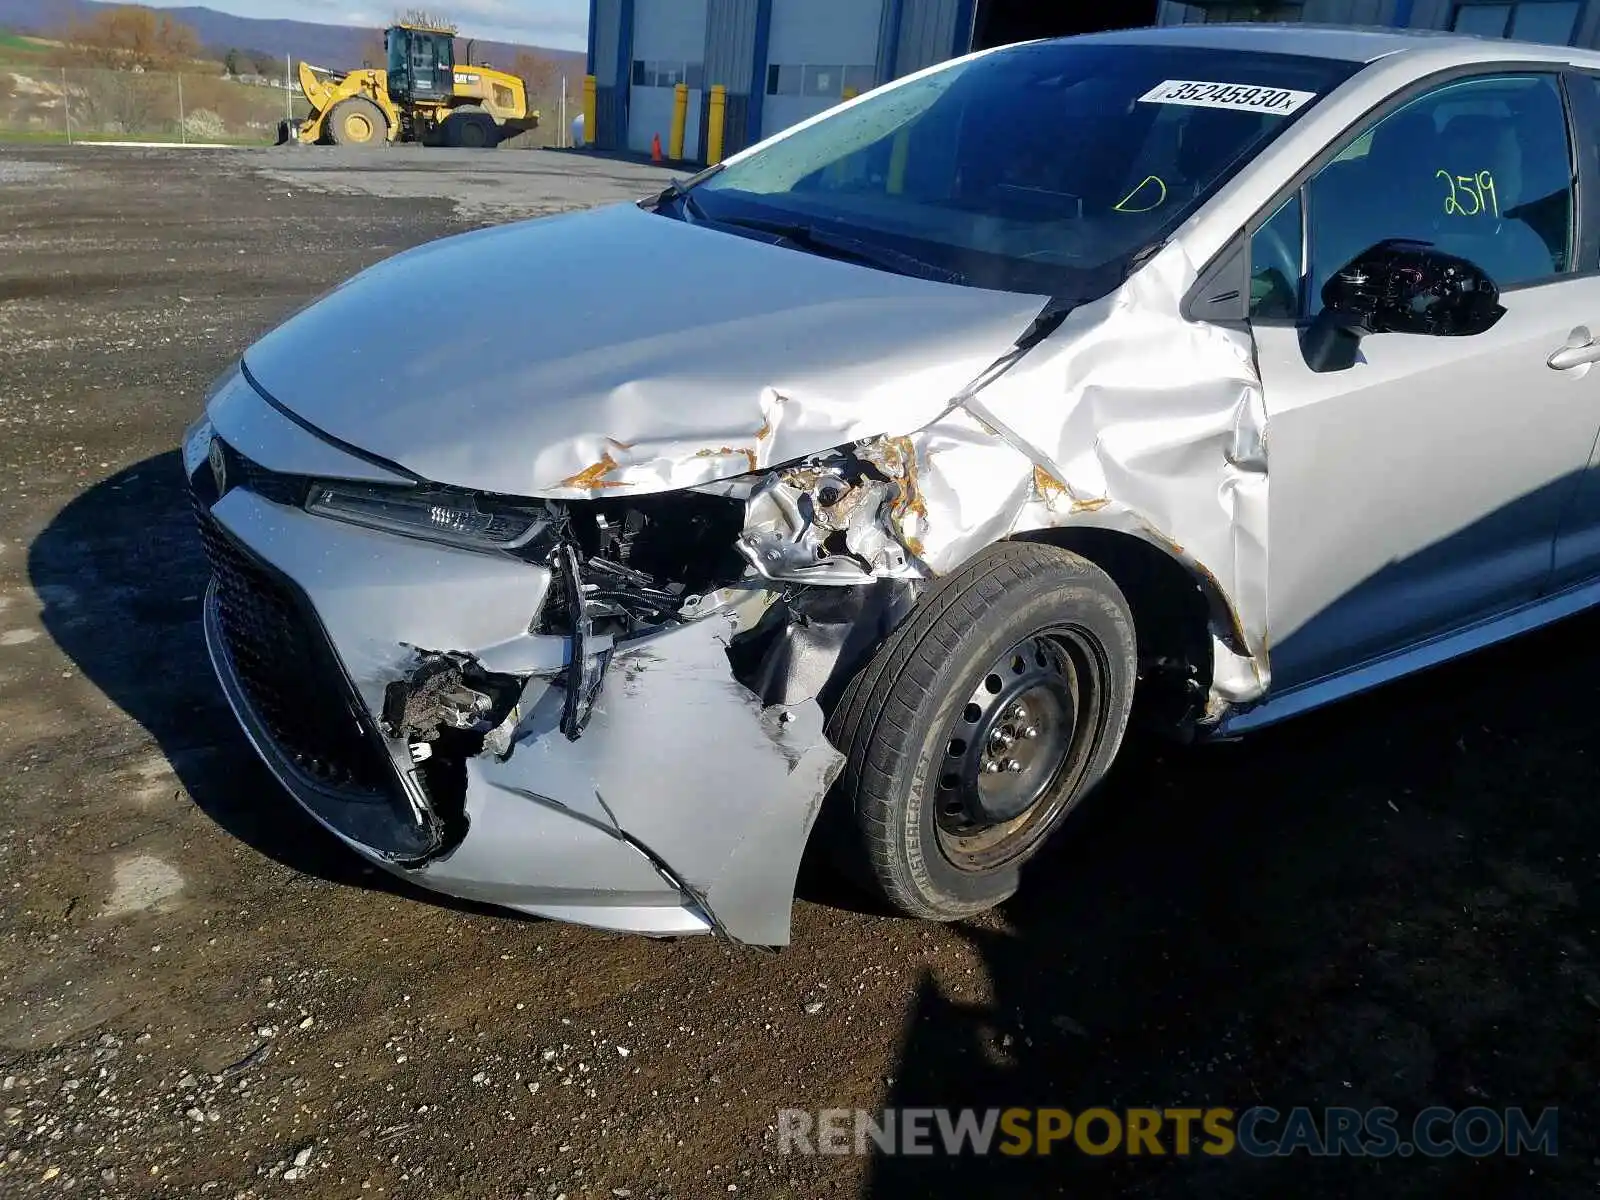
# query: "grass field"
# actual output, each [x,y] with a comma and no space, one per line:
[16,48]
[40,102]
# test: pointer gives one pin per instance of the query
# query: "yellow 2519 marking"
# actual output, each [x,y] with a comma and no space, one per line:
[1470,195]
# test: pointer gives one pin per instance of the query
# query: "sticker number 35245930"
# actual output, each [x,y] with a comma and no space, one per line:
[1197,93]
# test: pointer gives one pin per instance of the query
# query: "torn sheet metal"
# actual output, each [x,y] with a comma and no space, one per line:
[833,521]
[1127,417]
[1132,418]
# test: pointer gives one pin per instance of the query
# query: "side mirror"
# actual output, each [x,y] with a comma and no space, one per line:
[1399,287]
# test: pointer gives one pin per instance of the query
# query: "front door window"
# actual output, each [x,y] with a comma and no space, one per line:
[1481,169]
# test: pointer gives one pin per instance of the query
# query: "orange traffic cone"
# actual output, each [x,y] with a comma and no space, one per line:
[655,148]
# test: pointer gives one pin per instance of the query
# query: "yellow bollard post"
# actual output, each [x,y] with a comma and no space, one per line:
[717,117]
[680,118]
[590,133]
[899,153]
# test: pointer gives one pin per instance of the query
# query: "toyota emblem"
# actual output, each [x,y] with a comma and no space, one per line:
[219,466]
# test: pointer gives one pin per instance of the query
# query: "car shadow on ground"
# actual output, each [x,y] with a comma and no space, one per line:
[120,574]
[1391,902]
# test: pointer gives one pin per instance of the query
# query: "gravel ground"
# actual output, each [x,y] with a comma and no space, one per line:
[1391,903]
[510,185]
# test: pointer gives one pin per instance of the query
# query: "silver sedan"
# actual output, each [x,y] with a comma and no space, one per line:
[869,475]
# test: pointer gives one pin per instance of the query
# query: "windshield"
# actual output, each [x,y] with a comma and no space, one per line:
[1044,168]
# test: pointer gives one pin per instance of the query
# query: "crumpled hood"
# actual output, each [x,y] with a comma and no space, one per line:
[618,352]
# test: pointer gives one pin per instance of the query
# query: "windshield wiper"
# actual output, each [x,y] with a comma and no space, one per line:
[680,189]
[849,249]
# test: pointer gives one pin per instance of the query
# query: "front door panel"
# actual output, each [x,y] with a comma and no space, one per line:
[1422,487]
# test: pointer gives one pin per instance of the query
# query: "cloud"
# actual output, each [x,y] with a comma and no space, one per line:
[570,18]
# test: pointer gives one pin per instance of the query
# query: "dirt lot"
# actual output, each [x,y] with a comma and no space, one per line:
[1392,903]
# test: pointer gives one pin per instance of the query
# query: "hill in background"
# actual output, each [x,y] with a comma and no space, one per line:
[337,46]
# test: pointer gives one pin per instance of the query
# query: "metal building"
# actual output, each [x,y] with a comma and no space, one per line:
[781,61]
[784,60]
[1561,22]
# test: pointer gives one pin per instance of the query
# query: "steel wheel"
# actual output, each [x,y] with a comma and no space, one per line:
[1017,749]
[356,121]
[978,726]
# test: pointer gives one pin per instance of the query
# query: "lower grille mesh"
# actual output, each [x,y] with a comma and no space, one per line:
[289,674]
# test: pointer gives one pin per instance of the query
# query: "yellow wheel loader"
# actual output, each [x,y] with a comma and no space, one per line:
[422,96]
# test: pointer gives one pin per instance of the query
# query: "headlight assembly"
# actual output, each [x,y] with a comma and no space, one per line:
[438,515]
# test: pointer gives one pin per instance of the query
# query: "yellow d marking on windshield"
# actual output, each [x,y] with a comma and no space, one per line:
[1469,195]
[1121,206]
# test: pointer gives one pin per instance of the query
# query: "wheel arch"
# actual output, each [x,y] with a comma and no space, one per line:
[391,114]
[1177,607]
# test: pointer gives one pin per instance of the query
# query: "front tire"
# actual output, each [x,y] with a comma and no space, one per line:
[980,724]
[356,121]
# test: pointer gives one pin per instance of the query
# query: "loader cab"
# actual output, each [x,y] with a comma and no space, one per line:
[421,63]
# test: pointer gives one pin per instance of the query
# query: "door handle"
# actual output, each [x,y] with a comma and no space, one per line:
[1580,350]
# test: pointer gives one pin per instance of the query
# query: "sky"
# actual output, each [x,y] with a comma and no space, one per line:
[559,24]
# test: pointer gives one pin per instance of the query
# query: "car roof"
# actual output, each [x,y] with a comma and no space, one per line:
[1349,43]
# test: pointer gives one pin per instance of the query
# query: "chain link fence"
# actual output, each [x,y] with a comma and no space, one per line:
[60,104]
[47,103]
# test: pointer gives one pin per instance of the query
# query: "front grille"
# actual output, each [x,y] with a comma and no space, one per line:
[270,485]
[289,673]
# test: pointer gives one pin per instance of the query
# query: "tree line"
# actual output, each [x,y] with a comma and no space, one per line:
[133,38]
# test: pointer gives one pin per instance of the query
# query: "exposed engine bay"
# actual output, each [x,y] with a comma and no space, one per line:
[811,555]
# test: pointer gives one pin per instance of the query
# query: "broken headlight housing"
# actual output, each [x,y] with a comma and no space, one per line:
[444,515]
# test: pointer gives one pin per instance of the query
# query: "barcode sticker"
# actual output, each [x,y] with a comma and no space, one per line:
[1197,93]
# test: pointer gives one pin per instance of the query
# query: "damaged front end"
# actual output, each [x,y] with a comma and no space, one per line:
[612,716]
[806,563]
[701,631]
